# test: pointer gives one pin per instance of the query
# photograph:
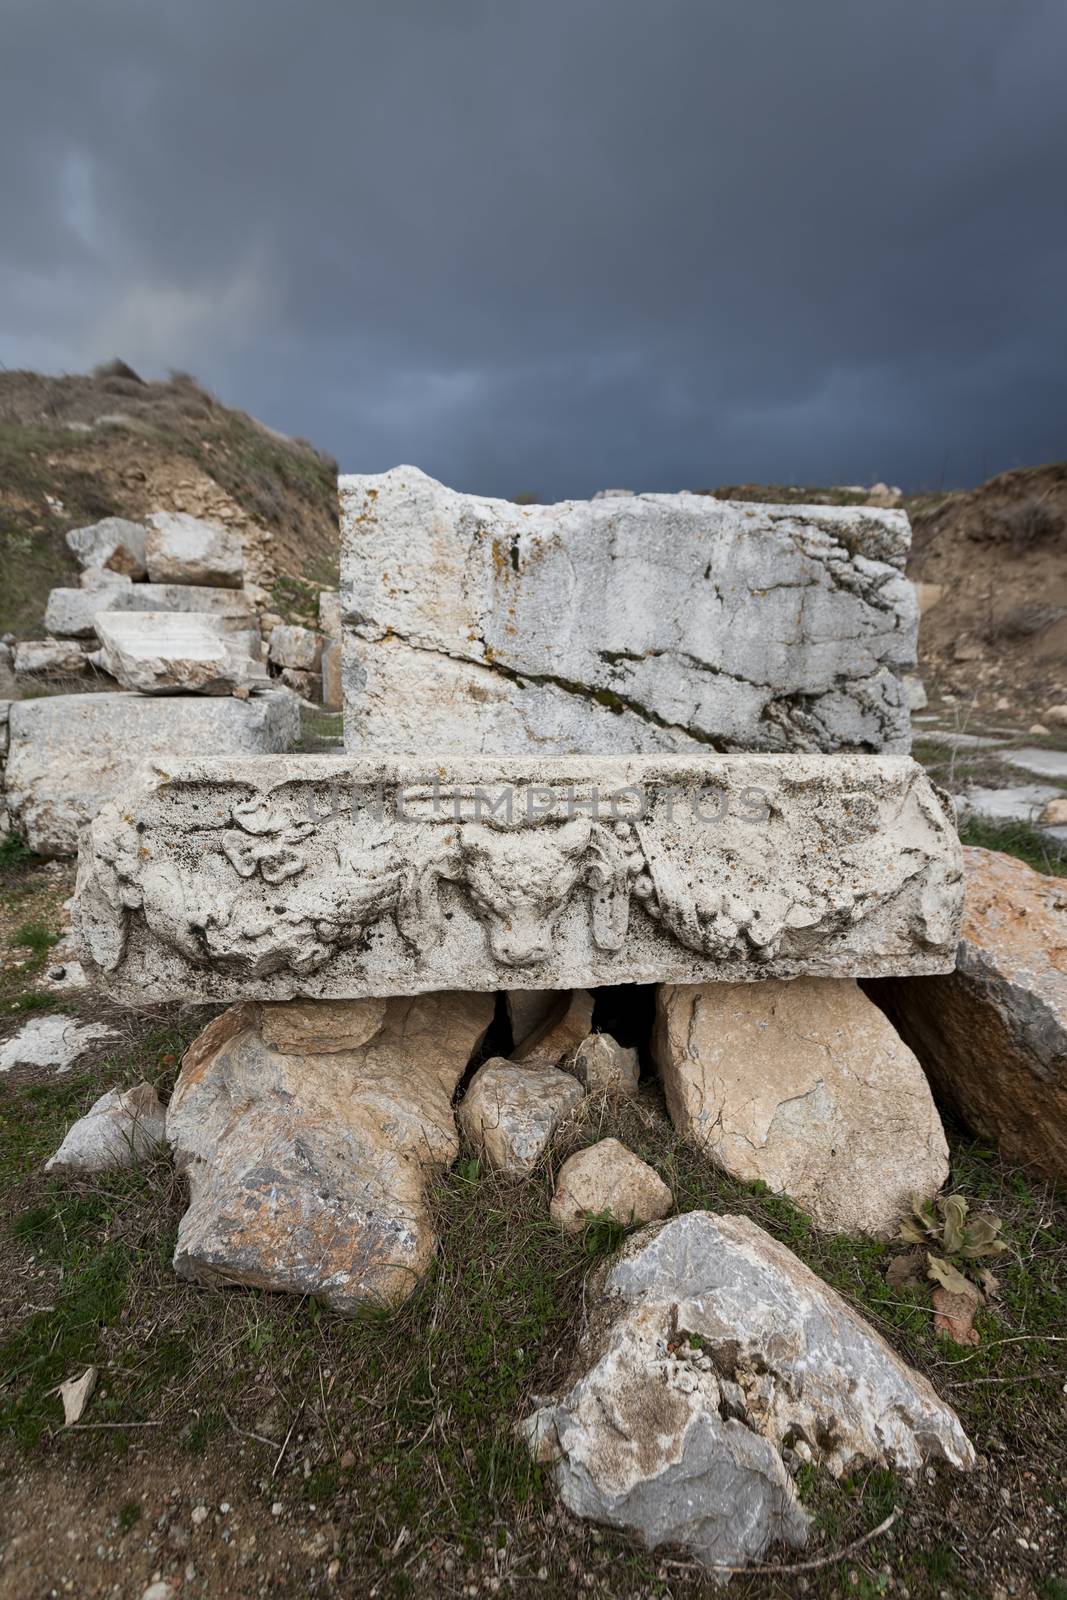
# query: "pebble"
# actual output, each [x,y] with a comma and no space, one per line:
[200,1515]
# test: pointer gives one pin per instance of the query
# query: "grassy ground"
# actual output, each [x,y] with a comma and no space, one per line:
[377,1456]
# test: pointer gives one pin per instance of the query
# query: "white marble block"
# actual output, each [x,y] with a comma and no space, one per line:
[70,753]
[330,877]
[639,624]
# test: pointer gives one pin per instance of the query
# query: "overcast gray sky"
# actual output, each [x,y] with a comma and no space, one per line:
[555,245]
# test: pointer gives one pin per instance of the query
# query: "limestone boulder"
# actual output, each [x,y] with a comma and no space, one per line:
[806,1087]
[72,613]
[165,652]
[607,1180]
[119,1130]
[992,1035]
[308,1169]
[70,754]
[647,623]
[606,1067]
[184,549]
[510,1112]
[299,648]
[113,545]
[709,1346]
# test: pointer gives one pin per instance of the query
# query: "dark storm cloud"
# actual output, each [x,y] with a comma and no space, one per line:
[558,244]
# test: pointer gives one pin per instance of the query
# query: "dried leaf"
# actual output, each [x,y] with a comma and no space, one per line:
[75,1393]
[905,1268]
[953,1223]
[949,1277]
[910,1234]
[955,1315]
[988,1283]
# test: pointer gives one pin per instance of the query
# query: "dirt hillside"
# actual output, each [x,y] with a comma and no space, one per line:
[997,556]
[74,449]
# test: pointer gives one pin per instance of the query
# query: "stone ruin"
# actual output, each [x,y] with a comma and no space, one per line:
[167,632]
[653,739]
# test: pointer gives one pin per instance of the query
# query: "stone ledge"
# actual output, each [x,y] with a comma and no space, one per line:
[332,877]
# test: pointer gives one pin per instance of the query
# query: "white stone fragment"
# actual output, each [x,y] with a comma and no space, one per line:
[510,1112]
[113,545]
[69,754]
[72,613]
[645,623]
[167,652]
[184,549]
[806,1087]
[325,876]
[330,614]
[120,1129]
[709,1345]
[54,1041]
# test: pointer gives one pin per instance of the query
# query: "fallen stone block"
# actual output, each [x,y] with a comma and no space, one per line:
[184,549]
[54,1041]
[72,613]
[167,652]
[806,1087]
[608,1182]
[709,1347]
[299,648]
[528,1009]
[48,658]
[120,1129]
[606,1067]
[328,877]
[561,1031]
[113,545]
[308,685]
[308,1168]
[510,1112]
[992,1035]
[648,623]
[70,754]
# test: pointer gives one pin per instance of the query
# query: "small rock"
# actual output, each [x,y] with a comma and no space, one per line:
[308,685]
[608,1180]
[1038,728]
[160,1591]
[510,1112]
[55,1041]
[1055,813]
[199,1516]
[120,1129]
[606,1067]
[330,613]
[1057,715]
